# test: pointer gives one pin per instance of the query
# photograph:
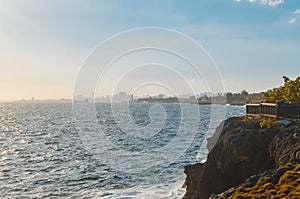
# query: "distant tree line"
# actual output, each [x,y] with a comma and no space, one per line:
[243,97]
[289,92]
[230,98]
[233,98]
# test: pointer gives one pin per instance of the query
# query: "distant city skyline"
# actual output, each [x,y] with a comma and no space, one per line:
[124,96]
[44,43]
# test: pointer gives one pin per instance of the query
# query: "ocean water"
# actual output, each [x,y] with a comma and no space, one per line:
[135,150]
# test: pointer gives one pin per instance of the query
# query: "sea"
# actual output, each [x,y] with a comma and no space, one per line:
[103,150]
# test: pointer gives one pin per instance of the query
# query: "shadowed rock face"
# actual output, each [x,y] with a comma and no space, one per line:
[242,150]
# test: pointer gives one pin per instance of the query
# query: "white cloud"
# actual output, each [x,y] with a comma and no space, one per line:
[297,12]
[272,3]
[263,2]
[294,18]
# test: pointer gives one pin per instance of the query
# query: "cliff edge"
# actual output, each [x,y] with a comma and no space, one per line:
[246,147]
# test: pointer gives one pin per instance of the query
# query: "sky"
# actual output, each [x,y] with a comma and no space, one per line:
[43,44]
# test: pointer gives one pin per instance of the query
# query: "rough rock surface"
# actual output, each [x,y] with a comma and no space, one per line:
[242,150]
[275,183]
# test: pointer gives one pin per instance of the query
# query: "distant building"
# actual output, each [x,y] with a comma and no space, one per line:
[185,96]
[80,98]
[160,96]
[123,96]
[131,98]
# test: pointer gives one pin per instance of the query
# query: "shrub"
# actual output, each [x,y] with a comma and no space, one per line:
[289,92]
[269,122]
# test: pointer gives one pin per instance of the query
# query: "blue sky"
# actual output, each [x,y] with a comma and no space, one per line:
[43,43]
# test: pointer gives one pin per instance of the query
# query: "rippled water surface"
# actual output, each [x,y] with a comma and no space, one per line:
[45,151]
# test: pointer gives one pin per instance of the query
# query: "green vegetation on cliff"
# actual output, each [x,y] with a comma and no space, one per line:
[289,92]
[264,122]
[287,185]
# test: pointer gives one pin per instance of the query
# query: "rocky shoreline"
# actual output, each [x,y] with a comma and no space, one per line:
[245,148]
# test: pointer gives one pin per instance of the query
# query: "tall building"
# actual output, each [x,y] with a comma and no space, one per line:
[123,96]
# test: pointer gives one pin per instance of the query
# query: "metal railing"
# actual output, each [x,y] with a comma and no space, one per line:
[273,109]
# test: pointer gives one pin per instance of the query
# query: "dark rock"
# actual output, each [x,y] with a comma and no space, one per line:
[240,150]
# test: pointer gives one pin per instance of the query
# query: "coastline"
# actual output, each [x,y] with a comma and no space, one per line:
[244,149]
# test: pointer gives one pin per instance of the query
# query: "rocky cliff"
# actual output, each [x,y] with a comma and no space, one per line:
[245,147]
